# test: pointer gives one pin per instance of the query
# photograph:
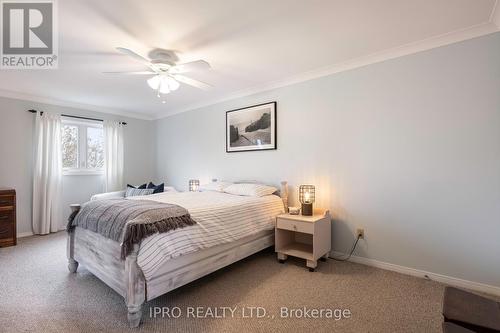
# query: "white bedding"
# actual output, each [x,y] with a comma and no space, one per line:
[220,217]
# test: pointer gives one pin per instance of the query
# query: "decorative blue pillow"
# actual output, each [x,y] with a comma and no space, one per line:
[132,192]
[157,188]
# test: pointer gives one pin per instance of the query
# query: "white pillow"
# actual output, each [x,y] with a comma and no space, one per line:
[215,186]
[169,189]
[251,190]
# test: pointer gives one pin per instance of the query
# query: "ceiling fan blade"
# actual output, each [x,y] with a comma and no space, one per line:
[131,73]
[192,82]
[133,54]
[192,66]
[136,56]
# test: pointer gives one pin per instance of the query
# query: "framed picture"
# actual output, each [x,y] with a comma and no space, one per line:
[251,128]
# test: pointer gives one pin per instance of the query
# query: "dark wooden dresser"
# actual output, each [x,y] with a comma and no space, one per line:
[7,217]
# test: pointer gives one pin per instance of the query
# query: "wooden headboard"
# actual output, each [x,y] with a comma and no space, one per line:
[284,194]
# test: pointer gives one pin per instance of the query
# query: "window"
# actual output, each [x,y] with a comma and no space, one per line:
[95,148]
[82,147]
[70,146]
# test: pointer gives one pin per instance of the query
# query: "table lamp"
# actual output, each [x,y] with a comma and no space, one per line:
[194,184]
[306,198]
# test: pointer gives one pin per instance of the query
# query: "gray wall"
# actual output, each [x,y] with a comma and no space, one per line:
[16,156]
[409,149]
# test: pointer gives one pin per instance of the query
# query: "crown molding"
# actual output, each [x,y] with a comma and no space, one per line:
[69,104]
[426,44]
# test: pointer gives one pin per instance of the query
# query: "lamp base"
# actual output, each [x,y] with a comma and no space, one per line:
[307,209]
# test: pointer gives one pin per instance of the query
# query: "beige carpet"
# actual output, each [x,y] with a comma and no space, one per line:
[38,294]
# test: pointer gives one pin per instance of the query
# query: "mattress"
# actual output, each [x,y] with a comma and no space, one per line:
[221,218]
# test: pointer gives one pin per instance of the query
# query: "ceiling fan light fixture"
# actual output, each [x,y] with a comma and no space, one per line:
[166,71]
[154,82]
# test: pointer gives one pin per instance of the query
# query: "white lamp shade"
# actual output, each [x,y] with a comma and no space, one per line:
[164,89]
[154,82]
[172,83]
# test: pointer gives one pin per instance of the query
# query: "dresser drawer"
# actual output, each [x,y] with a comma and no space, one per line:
[299,226]
[6,229]
[6,216]
[6,200]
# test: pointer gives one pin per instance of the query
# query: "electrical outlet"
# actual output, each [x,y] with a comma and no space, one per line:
[360,232]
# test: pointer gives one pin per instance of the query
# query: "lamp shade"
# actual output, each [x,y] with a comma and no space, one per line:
[194,184]
[164,89]
[307,194]
[306,198]
[154,82]
[171,83]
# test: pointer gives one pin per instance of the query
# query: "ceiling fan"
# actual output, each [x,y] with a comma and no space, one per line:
[167,73]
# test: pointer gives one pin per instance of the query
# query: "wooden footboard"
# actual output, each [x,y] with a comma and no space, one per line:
[101,256]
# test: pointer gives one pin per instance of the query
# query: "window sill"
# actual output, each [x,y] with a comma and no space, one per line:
[83,173]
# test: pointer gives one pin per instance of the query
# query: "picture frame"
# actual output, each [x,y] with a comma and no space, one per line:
[252,128]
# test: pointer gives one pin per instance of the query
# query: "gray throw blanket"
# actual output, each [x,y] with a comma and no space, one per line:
[129,221]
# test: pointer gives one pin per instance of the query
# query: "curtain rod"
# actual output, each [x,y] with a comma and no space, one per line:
[77,117]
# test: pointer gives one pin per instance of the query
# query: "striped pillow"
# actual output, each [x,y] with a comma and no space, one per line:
[132,192]
[250,190]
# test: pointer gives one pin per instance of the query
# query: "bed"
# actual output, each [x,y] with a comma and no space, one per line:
[229,228]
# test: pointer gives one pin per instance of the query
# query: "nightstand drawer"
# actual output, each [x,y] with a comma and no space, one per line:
[299,226]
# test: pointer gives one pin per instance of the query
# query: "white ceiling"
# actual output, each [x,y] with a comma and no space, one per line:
[251,45]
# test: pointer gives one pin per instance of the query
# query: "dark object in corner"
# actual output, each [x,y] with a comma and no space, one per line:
[157,188]
[449,327]
[7,217]
[470,311]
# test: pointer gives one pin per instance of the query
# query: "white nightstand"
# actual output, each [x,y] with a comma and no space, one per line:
[306,237]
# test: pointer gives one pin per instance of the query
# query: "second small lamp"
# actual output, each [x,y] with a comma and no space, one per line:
[194,184]
[306,198]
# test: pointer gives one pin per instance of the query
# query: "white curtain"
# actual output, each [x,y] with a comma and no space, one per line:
[113,156]
[47,213]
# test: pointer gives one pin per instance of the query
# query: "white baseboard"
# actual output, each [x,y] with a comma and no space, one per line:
[24,234]
[449,280]
[30,233]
